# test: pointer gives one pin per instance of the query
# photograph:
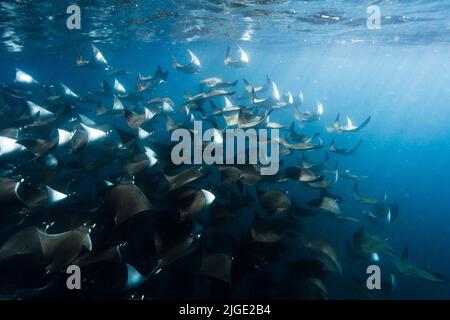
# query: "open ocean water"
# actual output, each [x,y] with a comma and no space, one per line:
[398,75]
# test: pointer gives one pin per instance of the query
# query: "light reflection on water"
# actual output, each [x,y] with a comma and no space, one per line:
[27,23]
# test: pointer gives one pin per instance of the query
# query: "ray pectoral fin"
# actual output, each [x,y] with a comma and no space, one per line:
[437,276]
[347,218]
[228,56]
[134,278]
[355,148]
[332,143]
[364,124]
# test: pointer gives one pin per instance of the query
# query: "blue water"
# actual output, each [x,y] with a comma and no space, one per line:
[398,75]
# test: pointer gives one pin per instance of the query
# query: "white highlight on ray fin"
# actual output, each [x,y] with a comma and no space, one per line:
[64,136]
[23,77]
[209,197]
[8,145]
[55,196]
[93,134]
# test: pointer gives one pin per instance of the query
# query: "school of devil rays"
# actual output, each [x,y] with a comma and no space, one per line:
[87,180]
